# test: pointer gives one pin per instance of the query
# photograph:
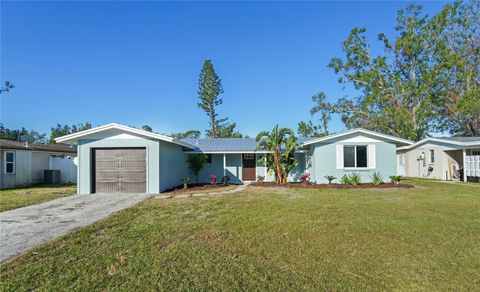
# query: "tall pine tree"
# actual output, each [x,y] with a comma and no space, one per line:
[209,89]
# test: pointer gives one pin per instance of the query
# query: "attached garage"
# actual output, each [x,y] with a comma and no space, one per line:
[119,159]
[119,170]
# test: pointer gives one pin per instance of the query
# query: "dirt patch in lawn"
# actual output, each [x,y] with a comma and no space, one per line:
[332,186]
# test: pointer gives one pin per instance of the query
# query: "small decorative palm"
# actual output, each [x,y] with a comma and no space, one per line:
[330,178]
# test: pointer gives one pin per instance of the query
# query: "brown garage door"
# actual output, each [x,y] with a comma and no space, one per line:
[120,170]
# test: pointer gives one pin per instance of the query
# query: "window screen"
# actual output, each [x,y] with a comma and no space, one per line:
[349,156]
[361,156]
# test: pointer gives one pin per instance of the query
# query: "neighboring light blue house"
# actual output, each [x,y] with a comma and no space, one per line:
[120,159]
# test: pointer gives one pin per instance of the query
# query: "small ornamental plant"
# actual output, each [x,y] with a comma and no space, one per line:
[330,179]
[305,178]
[260,178]
[213,179]
[355,179]
[345,180]
[185,182]
[225,179]
[395,179]
[377,178]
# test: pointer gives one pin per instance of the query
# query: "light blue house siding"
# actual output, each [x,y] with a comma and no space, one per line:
[324,161]
[233,168]
[173,165]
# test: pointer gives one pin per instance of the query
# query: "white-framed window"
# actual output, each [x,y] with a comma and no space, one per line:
[9,162]
[248,156]
[475,152]
[431,156]
[355,156]
[208,158]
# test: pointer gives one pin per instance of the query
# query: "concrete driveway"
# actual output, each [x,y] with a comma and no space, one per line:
[24,228]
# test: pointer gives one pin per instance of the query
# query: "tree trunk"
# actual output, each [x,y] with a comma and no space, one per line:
[278,167]
[212,123]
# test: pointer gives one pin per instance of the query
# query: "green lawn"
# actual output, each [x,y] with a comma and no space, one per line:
[16,198]
[427,238]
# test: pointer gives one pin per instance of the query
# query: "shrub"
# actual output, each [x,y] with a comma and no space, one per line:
[213,179]
[355,179]
[305,178]
[225,179]
[345,180]
[260,178]
[185,181]
[330,178]
[196,163]
[377,178]
[395,179]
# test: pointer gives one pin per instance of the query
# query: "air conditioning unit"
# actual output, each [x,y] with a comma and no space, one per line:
[51,176]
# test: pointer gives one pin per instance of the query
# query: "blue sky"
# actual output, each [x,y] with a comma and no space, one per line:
[138,63]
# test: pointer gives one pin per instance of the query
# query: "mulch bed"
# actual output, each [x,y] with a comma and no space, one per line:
[332,186]
[197,187]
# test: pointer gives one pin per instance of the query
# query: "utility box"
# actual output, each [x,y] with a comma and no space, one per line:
[51,176]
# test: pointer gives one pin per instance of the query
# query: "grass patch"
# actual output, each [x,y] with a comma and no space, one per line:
[276,239]
[21,197]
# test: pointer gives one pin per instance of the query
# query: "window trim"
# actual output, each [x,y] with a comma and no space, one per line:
[430,156]
[14,162]
[355,157]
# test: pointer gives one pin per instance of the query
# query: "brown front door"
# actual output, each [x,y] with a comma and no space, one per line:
[119,170]
[248,161]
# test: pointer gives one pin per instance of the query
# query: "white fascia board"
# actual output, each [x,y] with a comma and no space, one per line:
[444,141]
[72,138]
[354,131]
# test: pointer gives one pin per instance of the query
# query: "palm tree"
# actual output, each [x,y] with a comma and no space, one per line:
[281,144]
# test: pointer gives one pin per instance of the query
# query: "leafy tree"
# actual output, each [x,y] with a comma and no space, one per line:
[458,59]
[192,134]
[38,137]
[210,87]
[427,79]
[147,128]
[307,129]
[11,134]
[62,130]
[224,129]
[7,86]
[323,109]
[281,144]
[196,163]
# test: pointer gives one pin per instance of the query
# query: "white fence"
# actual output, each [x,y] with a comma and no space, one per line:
[472,165]
[67,167]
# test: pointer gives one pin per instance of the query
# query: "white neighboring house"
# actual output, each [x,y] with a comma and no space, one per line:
[445,158]
[22,164]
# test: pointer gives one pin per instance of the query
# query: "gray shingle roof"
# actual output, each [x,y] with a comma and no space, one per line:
[461,139]
[227,144]
[7,144]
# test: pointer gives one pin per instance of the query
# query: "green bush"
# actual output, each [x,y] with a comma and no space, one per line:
[330,178]
[185,182]
[395,179]
[355,179]
[377,178]
[345,180]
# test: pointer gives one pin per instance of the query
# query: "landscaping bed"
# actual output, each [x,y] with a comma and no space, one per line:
[332,186]
[200,188]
